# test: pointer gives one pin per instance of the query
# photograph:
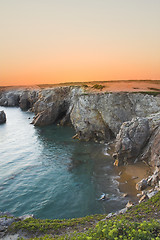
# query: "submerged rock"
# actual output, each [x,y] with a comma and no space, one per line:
[2,117]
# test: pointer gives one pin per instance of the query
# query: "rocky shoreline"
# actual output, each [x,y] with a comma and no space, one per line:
[130,120]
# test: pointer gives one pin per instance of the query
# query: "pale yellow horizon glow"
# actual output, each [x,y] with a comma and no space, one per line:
[44,41]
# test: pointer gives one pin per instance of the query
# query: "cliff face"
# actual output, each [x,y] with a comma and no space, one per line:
[101,115]
[95,116]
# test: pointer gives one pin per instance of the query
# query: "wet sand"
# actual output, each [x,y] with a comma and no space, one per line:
[131,174]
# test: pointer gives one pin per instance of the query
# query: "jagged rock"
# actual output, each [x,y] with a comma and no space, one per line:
[155,180]
[6,221]
[151,194]
[139,195]
[149,180]
[111,110]
[141,185]
[131,139]
[24,217]
[122,211]
[28,98]
[51,106]
[2,117]
[151,152]
[10,98]
[95,116]
[125,195]
[129,204]
[143,198]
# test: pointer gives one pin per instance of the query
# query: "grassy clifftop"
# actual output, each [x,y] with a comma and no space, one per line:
[139,222]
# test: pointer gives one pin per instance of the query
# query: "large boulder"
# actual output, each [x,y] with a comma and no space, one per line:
[131,139]
[2,117]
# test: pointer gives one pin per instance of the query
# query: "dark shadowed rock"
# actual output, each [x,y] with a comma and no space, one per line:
[132,137]
[52,106]
[140,186]
[24,102]
[151,152]
[2,117]
[10,99]
[28,98]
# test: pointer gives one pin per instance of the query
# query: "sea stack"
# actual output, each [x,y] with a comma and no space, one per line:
[2,117]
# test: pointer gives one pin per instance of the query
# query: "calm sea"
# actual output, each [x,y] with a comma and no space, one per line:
[45,172]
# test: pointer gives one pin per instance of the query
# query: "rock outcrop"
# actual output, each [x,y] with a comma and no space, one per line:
[10,98]
[99,116]
[2,117]
[151,152]
[28,98]
[131,139]
[51,106]
[6,219]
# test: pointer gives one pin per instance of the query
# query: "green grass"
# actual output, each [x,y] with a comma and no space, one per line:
[98,86]
[154,89]
[56,226]
[139,222]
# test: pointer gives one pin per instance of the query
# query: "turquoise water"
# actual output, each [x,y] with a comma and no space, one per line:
[45,172]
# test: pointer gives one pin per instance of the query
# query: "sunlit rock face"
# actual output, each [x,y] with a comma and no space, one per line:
[100,116]
[51,106]
[28,98]
[131,139]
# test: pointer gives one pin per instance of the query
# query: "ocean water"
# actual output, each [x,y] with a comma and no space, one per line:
[45,172]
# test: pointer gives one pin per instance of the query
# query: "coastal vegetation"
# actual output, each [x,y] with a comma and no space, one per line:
[98,86]
[139,222]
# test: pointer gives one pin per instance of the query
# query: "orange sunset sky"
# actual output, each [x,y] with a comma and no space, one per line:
[51,41]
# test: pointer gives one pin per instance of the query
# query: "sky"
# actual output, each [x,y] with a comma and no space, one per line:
[52,41]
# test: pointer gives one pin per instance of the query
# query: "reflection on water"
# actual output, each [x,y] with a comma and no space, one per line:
[45,172]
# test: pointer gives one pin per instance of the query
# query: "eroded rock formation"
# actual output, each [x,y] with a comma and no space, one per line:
[131,139]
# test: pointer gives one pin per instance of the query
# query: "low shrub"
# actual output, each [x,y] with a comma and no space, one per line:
[98,86]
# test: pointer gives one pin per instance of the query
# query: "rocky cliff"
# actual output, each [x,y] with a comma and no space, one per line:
[131,118]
